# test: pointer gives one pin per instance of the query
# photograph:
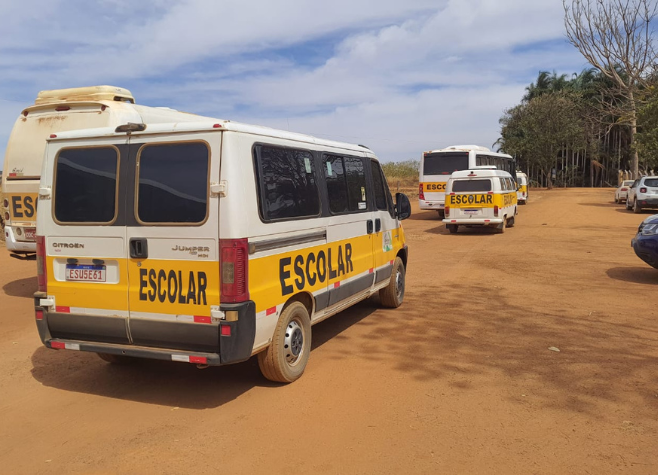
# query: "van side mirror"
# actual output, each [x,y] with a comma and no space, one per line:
[402,206]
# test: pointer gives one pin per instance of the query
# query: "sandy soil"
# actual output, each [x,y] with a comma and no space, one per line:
[460,379]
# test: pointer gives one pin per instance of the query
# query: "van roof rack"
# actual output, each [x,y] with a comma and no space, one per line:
[78,94]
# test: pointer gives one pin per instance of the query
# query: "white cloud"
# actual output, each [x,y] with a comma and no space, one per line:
[399,76]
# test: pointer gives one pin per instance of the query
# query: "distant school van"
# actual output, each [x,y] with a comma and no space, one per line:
[209,242]
[522,192]
[53,112]
[480,197]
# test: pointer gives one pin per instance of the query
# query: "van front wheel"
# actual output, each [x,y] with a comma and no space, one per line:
[392,295]
[285,359]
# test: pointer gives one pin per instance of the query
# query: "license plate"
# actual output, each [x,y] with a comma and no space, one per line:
[85,273]
[471,211]
[30,234]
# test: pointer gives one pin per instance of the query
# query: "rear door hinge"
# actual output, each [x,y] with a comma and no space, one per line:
[219,189]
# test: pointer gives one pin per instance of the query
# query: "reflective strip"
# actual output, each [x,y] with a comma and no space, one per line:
[181,358]
[270,311]
[58,345]
[336,285]
[72,346]
[189,359]
[201,319]
[59,309]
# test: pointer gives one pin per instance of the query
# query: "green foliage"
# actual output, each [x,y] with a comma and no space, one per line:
[406,169]
[646,140]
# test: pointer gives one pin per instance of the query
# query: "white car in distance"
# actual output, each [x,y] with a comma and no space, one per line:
[621,194]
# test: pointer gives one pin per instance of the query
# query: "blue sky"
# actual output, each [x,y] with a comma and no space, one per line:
[400,77]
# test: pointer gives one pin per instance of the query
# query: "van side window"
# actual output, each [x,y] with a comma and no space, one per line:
[346,184]
[173,183]
[380,186]
[503,184]
[86,185]
[287,186]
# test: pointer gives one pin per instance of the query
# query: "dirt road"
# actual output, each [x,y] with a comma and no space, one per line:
[458,380]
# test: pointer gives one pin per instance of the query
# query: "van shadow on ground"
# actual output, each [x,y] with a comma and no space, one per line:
[168,383]
[637,275]
[21,288]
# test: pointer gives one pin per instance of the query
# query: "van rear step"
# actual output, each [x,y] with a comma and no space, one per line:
[135,351]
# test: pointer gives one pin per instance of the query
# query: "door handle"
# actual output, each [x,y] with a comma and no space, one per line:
[378,225]
[139,248]
[369,226]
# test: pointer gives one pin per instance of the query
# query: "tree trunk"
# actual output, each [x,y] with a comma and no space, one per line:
[635,163]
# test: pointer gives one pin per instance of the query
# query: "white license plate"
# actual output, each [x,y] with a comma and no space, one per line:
[472,212]
[85,273]
[30,234]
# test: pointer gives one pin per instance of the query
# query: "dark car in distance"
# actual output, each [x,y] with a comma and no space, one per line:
[645,242]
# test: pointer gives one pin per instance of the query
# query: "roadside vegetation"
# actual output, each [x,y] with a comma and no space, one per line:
[402,176]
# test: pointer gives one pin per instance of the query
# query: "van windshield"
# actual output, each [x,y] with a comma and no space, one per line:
[444,163]
[461,186]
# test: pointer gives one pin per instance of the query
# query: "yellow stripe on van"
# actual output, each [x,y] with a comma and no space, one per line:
[274,279]
[22,206]
[481,200]
[439,187]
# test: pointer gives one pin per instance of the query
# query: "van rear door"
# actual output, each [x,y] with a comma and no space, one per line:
[86,242]
[172,236]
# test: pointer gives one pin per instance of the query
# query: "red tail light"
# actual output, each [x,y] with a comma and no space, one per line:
[446,210]
[624,189]
[496,210]
[42,271]
[421,194]
[643,190]
[234,265]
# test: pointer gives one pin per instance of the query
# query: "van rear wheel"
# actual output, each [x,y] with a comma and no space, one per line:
[452,228]
[501,227]
[285,359]
[392,295]
[116,359]
[636,207]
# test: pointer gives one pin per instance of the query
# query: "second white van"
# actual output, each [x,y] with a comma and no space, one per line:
[480,197]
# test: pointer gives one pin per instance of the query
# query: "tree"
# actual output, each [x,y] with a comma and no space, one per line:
[542,129]
[616,37]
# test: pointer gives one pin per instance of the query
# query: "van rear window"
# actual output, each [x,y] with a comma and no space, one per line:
[287,184]
[86,185]
[444,163]
[173,183]
[469,186]
[653,182]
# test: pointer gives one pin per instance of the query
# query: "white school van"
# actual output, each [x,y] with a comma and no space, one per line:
[523,188]
[436,166]
[480,197]
[54,112]
[210,242]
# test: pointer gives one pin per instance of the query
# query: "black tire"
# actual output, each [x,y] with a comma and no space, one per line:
[392,295]
[636,208]
[453,228]
[500,229]
[511,222]
[285,359]
[628,207]
[442,214]
[116,359]
[617,200]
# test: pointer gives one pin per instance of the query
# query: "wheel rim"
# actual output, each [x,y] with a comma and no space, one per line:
[293,343]
[399,285]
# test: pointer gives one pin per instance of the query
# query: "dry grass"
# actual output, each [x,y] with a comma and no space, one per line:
[402,177]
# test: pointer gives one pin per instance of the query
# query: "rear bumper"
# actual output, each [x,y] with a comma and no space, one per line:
[14,245]
[218,343]
[647,202]
[425,204]
[474,222]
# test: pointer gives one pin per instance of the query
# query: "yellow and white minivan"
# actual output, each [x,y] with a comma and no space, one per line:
[53,112]
[436,166]
[522,192]
[210,242]
[480,197]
